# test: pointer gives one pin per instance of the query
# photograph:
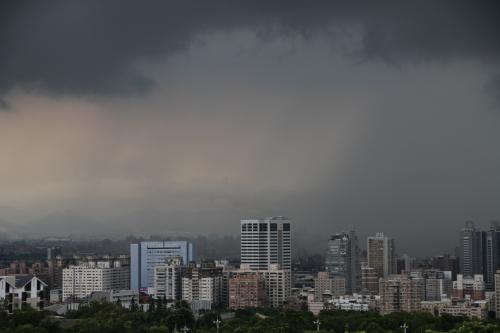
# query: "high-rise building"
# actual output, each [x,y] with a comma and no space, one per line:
[146,255]
[497,294]
[326,285]
[202,283]
[168,279]
[266,247]
[342,260]
[369,279]
[444,263]
[438,285]
[247,289]
[401,293]
[471,288]
[266,242]
[79,281]
[471,258]
[381,254]
[278,285]
[491,254]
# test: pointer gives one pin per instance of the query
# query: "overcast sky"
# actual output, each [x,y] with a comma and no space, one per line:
[182,117]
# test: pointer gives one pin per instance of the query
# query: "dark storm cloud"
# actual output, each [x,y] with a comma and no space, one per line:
[93,47]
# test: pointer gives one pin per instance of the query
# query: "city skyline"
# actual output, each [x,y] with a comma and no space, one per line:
[120,118]
[250,166]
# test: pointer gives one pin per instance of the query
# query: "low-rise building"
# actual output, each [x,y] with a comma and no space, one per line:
[18,291]
[470,309]
[355,302]
[314,306]
[326,287]
[56,296]
[127,298]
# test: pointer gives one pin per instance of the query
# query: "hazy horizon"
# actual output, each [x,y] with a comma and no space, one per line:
[120,118]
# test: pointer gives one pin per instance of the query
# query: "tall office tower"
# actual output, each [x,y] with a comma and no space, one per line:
[401,293]
[369,279]
[381,254]
[146,255]
[446,262]
[202,283]
[247,289]
[326,285]
[491,254]
[471,258]
[342,260]
[266,242]
[167,279]
[80,281]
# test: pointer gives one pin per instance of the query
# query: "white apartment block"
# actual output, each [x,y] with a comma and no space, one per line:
[202,284]
[202,289]
[278,285]
[80,281]
[266,242]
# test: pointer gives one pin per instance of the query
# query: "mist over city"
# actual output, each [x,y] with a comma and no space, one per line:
[365,126]
[186,117]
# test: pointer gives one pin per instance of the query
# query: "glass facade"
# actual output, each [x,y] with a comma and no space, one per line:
[146,255]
